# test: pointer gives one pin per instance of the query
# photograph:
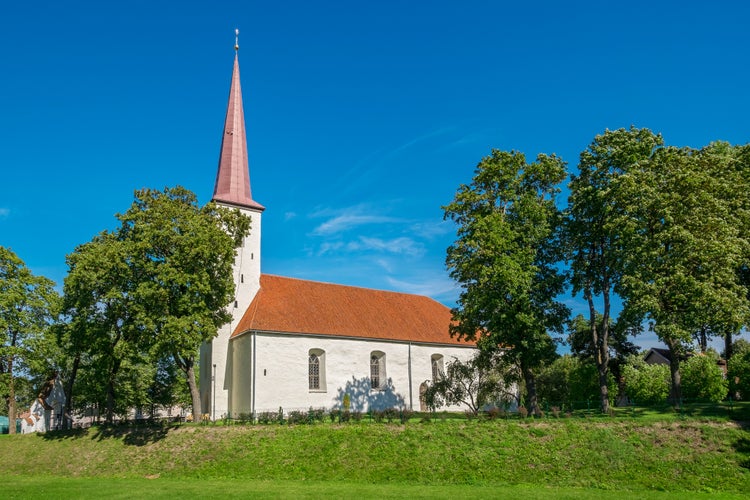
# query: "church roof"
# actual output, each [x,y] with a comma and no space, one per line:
[289,305]
[233,177]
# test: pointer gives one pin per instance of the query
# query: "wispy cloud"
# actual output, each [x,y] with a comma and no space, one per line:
[439,287]
[289,216]
[403,245]
[4,212]
[345,222]
[431,229]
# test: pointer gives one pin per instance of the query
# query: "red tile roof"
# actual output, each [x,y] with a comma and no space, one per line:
[292,305]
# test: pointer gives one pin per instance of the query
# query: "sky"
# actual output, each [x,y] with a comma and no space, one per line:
[363,118]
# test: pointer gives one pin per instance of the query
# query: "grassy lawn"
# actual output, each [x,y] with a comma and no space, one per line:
[656,455]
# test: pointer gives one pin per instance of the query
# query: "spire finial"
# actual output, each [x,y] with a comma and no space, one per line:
[236,39]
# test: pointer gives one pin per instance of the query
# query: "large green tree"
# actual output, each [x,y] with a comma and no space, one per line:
[184,255]
[595,235]
[28,306]
[506,258]
[156,287]
[685,210]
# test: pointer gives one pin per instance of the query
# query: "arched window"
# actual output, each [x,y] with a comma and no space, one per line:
[438,368]
[377,370]
[316,370]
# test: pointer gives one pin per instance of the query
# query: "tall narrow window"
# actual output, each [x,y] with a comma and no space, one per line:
[377,370]
[316,370]
[437,367]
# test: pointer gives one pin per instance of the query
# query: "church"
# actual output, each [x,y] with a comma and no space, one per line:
[298,344]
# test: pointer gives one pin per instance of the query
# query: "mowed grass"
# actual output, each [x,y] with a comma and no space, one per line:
[564,458]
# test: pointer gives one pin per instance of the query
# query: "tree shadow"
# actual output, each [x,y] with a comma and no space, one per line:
[132,435]
[742,445]
[363,397]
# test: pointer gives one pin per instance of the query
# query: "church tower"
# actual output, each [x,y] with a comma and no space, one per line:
[232,190]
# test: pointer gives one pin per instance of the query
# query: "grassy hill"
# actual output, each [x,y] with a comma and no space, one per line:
[677,455]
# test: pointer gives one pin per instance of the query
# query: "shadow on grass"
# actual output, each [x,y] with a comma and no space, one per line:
[130,435]
[742,446]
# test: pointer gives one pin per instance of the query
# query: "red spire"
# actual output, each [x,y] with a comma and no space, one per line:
[233,178]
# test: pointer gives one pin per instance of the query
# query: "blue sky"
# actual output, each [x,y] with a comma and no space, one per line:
[362,117]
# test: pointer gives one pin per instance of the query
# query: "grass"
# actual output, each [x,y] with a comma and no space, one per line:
[650,457]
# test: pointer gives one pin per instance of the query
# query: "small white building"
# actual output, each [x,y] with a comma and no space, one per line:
[46,412]
[295,343]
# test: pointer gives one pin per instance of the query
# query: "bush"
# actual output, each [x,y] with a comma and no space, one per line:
[738,373]
[644,383]
[702,379]
[296,417]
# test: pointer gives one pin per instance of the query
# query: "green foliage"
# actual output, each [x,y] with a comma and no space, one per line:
[644,383]
[28,355]
[596,239]
[569,380]
[474,384]
[506,258]
[152,290]
[738,371]
[703,379]
[689,213]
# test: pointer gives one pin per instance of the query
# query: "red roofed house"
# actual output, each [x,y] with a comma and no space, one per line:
[294,343]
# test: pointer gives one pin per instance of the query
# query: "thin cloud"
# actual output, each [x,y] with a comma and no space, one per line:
[4,212]
[289,216]
[350,220]
[432,229]
[403,245]
[439,288]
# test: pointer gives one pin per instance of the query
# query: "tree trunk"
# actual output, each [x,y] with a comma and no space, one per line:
[110,411]
[187,365]
[531,399]
[674,369]
[68,416]
[728,345]
[600,341]
[11,398]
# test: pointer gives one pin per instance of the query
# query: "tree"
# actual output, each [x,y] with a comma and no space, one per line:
[506,258]
[581,345]
[107,330]
[475,383]
[703,379]
[569,381]
[184,255]
[156,287]
[595,241]
[28,306]
[686,209]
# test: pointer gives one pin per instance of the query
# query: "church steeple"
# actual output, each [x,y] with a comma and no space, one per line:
[233,178]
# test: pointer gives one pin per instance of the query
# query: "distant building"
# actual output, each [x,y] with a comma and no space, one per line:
[46,412]
[296,343]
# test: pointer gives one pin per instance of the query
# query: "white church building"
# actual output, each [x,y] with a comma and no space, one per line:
[295,343]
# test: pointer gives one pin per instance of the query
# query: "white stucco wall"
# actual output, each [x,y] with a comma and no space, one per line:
[281,372]
[247,283]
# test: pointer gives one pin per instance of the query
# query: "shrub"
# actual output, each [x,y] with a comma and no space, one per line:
[644,383]
[702,379]
[357,416]
[296,417]
[405,415]
[523,412]
[738,372]
[268,417]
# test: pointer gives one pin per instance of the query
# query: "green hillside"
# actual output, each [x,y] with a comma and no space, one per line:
[604,454]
